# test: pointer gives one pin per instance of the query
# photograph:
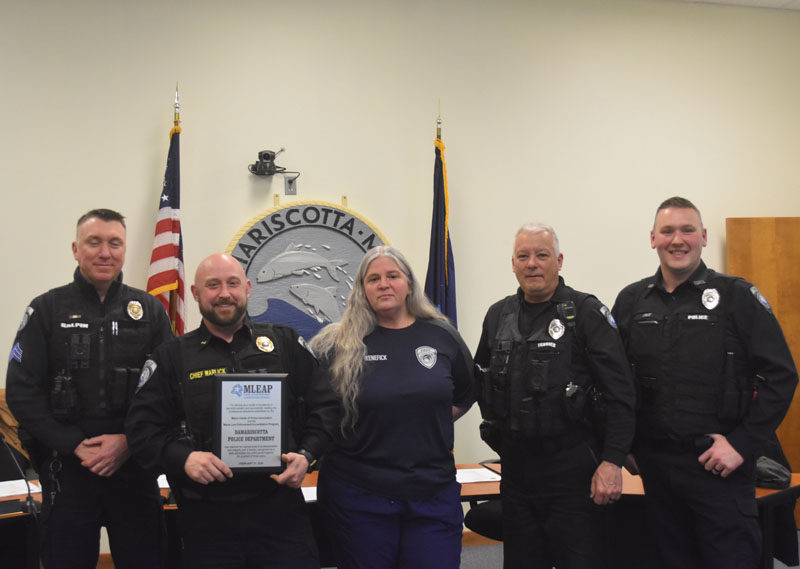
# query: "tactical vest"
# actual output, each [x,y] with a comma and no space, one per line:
[95,356]
[690,369]
[537,385]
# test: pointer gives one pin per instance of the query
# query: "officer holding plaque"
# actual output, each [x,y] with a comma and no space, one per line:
[233,515]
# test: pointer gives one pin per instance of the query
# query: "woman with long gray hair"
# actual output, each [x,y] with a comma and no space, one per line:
[387,488]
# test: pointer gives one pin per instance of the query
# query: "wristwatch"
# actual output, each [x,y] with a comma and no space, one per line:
[312,462]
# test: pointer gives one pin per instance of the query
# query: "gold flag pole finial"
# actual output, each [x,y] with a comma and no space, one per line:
[177,117]
[439,123]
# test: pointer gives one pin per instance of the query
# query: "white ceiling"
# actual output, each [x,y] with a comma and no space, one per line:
[768,4]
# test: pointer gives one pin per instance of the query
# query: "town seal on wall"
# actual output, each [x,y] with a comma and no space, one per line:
[301,259]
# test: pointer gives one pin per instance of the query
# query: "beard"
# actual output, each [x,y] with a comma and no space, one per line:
[236,317]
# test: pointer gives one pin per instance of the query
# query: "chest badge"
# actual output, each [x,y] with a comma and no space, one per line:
[264,344]
[426,356]
[135,310]
[556,329]
[710,298]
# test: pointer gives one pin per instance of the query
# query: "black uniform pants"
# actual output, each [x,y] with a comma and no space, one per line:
[270,531]
[548,517]
[128,504]
[700,520]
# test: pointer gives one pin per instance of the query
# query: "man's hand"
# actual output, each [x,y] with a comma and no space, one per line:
[103,455]
[205,467]
[606,484]
[296,468]
[721,458]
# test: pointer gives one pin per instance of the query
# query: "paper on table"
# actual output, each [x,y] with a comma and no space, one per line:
[467,475]
[15,487]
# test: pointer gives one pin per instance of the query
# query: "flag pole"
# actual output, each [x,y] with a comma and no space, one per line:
[439,123]
[176,121]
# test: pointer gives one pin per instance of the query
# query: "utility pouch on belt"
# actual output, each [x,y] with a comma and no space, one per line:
[64,398]
[121,385]
[574,402]
[735,396]
[79,351]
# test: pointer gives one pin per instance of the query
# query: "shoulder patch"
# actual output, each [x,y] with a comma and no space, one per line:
[16,353]
[302,342]
[608,316]
[148,369]
[25,318]
[760,298]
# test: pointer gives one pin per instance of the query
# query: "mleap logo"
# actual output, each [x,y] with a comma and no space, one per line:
[301,259]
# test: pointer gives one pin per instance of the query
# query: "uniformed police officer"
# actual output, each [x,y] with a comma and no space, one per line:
[246,520]
[71,375]
[551,358]
[715,378]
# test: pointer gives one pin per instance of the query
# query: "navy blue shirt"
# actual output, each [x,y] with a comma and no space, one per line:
[401,446]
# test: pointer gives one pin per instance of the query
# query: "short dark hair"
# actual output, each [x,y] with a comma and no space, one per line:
[101,213]
[680,203]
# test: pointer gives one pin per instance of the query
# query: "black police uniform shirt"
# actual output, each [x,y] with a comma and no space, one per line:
[401,445]
[101,345]
[596,357]
[711,330]
[179,388]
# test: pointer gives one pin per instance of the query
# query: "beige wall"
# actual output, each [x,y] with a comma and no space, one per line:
[582,114]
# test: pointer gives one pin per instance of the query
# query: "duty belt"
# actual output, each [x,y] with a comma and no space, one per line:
[676,444]
[549,445]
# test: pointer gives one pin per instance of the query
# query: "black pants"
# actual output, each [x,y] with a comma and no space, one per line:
[699,519]
[128,504]
[548,517]
[270,531]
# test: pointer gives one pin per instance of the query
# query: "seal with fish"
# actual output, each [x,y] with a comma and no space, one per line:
[299,258]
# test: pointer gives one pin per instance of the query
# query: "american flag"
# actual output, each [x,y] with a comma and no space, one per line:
[165,279]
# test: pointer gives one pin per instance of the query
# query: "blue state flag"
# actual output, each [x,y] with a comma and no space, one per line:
[440,282]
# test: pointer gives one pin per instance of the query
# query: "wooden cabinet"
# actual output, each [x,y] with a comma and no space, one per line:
[766,252]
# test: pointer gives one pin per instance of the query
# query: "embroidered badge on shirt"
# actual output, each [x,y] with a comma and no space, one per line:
[16,353]
[264,344]
[135,310]
[426,356]
[25,318]
[710,298]
[556,329]
[302,342]
[147,372]
[607,313]
[760,298]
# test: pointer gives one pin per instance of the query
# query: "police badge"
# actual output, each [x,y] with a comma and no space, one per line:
[556,329]
[135,310]
[264,344]
[426,356]
[710,298]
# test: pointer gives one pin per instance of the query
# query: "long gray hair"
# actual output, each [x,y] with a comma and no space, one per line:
[341,344]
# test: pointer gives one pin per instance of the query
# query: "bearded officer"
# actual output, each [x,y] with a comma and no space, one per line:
[242,520]
[546,353]
[71,375]
[716,378]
